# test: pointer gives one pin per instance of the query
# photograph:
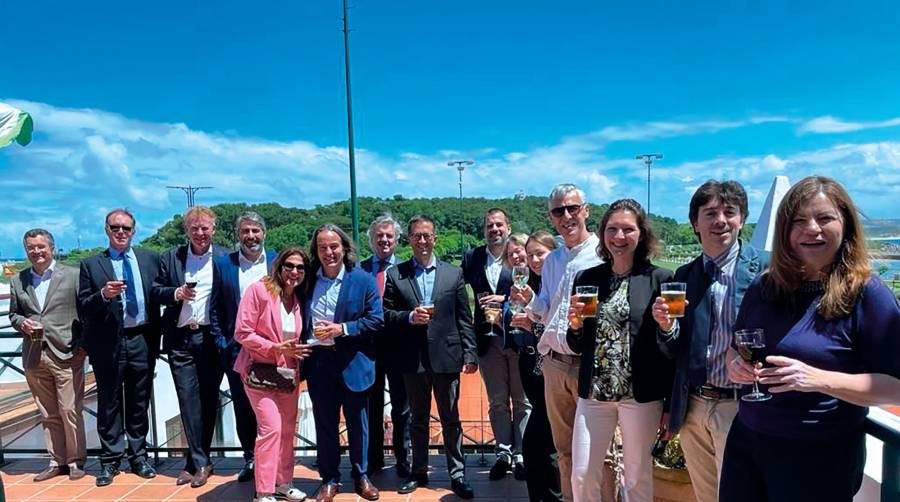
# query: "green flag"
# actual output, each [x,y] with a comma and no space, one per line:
[15,125]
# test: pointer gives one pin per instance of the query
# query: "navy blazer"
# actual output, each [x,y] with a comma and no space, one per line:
[359,309]
[687,344]
[473,264]
[225,301]
[170,277]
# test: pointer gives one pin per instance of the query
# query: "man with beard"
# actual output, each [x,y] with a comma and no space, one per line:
[498,356]
[237,271]
[185,284]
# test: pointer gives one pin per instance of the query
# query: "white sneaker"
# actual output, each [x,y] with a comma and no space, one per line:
[265,498]
[288,492]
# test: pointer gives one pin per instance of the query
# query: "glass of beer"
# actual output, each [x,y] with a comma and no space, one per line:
[429,308]
[588,296]
[319,331]
[37,331]
[673,294]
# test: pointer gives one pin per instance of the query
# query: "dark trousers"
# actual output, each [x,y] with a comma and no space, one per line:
[541,461]
[328,393]
[762,468]
[195,372]
[244,416]
[399,415]
[419,387]
[124,384]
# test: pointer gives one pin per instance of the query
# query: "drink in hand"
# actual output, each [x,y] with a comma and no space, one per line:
[588,296]
[673,294]
[751,345]
[37,332]
[492,311]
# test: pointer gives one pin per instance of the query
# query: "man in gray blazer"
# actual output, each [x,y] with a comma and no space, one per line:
[44,298]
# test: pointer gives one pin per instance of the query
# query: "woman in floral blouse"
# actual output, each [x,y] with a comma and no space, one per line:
[623,377]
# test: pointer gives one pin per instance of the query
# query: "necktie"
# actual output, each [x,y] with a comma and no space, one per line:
[379,276]
[131,305]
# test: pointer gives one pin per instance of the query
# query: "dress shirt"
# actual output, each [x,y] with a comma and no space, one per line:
[492,268]
[200,269]
[116,259]
[724,311]
[324,301]
[41,284]
[251,271]
[552,304]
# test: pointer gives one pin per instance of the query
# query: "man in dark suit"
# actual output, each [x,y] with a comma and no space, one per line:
[184,285]
[498,357]
[43,306]
[427,310]
[344,312]
[236,272]
[383,234]
[121,334]
[704,401]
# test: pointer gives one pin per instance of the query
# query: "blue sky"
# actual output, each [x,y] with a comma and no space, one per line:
[250,99]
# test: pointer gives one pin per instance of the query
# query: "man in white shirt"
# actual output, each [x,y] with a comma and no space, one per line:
[498,357]
[568,212]
[236,272]
[184,285]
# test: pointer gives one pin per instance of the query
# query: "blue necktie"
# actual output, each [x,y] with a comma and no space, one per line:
[131,305]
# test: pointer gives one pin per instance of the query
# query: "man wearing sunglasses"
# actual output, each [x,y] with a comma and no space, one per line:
[568,212]
[121,335]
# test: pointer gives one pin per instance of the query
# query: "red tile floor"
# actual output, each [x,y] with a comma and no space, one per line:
[17,479]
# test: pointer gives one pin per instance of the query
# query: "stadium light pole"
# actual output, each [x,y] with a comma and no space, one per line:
[461,166]
[648,159]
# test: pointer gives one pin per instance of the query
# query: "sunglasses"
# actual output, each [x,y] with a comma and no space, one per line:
[291,267]
[120,228]
[573,210]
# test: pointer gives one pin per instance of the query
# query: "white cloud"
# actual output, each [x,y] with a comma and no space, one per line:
[831,125]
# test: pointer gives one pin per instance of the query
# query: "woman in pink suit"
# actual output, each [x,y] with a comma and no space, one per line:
[269,321]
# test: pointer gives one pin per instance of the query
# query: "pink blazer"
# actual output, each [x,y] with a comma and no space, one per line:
[258,329]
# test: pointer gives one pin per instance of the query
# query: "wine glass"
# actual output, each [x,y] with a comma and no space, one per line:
[751,345]
[520,280]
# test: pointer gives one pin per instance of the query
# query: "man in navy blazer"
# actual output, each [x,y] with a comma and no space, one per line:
[343,314]
[237,271]
[704,401]
[184,286]
[121,335]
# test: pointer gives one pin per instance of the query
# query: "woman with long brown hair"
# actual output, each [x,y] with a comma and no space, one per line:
[830,332]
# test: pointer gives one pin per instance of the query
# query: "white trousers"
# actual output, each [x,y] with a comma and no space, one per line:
[595,425]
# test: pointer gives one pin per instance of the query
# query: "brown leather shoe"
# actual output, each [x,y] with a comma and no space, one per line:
[365,489]
[202,476]
[50,472]
[327,492]
[184,477]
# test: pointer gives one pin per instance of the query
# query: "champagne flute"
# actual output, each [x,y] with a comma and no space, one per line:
[751,345]
[520,280]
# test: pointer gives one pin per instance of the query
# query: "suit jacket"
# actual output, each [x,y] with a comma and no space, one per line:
[687,344]
[359,309]
[103,318]
[225,301]
[651,371]
[62,329]
[473,265]
[171,275]
[259,329]
[448,341]
[385,346]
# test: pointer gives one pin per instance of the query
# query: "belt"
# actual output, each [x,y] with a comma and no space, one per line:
[710,392]
[194,328]
[135,331]
[565,358]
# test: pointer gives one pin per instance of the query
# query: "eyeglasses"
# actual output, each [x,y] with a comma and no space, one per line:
[417,237]
[573,210]
[120,228]
[299,267]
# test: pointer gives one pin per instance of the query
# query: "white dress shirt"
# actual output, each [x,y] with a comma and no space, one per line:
[251,271]
[552,304]
[492,268]
[198,268]
[41,284]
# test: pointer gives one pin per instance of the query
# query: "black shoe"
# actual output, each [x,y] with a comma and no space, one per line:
[374,467]
[106,475]
[519,471]
[246,473]
[403,469]
[462,489]
[412,482]
[143,469]
[499,470]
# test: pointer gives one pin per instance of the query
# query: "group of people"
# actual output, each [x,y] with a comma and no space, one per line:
[559,380]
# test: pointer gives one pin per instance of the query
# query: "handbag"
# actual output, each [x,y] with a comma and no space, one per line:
[271,377]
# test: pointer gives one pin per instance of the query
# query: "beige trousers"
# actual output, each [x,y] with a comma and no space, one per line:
[703,438]
[561,394]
